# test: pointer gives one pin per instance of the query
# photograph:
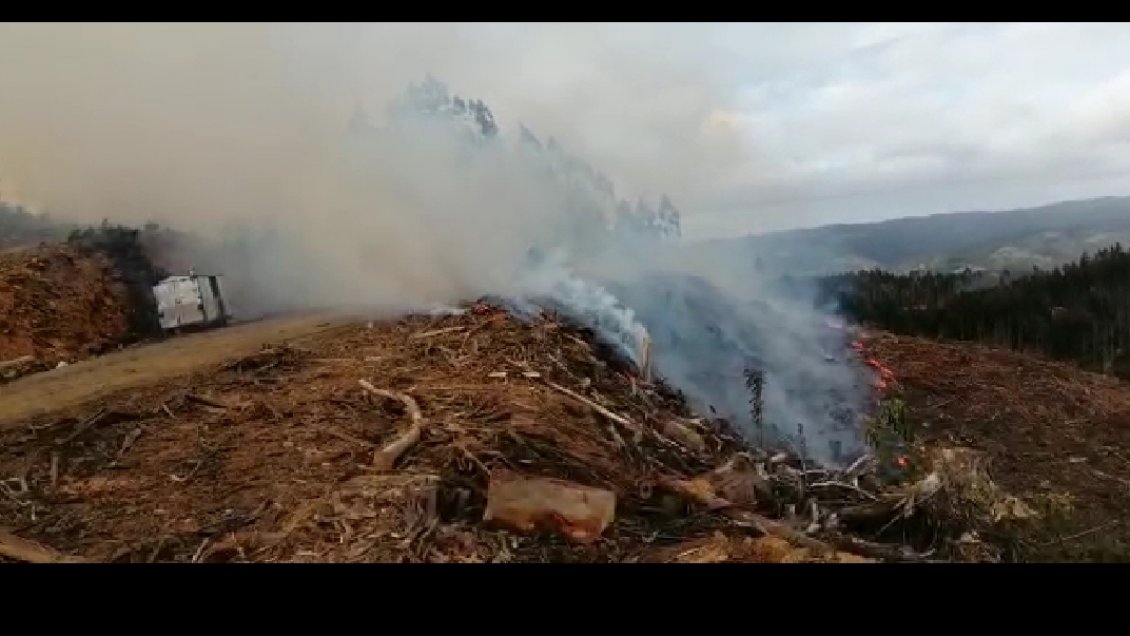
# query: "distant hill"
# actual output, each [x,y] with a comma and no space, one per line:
[1015,239]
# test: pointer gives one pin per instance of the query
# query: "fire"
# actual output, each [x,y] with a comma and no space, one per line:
[902,461]
[885,373]
[886,376]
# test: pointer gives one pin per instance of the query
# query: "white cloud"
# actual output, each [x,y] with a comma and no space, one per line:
[896,115]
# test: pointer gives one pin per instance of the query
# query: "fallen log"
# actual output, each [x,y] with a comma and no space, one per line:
[18,549]
[16,362]
[384,458]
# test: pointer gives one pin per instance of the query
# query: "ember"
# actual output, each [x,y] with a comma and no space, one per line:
[886,376]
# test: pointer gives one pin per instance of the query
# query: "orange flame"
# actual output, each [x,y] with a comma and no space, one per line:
[902,461]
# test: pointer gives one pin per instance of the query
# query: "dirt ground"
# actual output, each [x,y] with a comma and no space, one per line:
[147,364]
[1056,436]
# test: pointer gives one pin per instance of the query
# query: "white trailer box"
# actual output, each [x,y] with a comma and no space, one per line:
[190,301]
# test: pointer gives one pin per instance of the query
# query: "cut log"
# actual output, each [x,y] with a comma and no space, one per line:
[526,504]
[17,549]
[16,362]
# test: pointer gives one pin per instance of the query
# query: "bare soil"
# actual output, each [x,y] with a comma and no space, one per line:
[146,365]
[1057,437]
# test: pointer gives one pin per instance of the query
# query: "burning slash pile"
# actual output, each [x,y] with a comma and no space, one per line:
[465,438]
[57,304]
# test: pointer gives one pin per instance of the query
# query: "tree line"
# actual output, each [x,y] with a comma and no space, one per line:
[1078,312]
[599,212]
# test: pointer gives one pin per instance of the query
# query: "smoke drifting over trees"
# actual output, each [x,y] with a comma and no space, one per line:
[424,197]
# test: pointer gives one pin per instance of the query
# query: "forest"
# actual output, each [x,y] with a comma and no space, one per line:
[19,227]
[1078,312]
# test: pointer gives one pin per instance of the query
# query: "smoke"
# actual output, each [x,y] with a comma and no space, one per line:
[311,178]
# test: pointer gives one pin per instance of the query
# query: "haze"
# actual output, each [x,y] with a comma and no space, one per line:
[749,127]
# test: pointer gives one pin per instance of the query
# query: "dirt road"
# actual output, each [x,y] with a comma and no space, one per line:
[148,364]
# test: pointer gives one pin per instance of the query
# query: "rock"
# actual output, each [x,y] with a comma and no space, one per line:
[526,504]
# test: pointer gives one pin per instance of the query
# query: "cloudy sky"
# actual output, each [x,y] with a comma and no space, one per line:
[750,127]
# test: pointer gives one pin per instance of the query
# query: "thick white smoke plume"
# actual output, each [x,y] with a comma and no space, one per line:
[710,322]
[422,199]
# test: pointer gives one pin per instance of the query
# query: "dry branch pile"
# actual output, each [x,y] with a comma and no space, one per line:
[469,438]
[57,304]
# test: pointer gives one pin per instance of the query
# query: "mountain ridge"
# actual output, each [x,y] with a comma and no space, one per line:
[1042,236]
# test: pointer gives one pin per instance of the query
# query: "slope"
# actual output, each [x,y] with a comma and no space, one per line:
[1055,436]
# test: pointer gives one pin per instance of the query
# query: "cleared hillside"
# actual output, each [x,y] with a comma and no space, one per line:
[1055,436]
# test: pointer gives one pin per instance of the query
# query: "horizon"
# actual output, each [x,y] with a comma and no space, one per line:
[60,216]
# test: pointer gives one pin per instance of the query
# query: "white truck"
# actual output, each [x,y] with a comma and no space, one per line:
[190,302]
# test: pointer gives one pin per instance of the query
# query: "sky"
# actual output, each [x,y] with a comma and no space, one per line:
[749,127]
